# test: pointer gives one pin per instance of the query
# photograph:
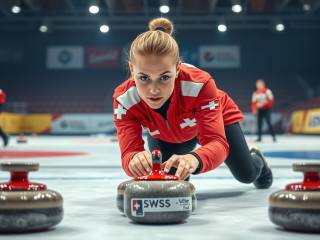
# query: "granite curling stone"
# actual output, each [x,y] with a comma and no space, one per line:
[122,187]
[158,198]
[120,192]
[297,208]
[27,206]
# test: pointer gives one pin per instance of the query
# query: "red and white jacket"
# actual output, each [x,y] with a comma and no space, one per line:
[264,97]
[197,109]
[2,97]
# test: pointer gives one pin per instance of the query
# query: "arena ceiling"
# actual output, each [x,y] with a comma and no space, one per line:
[70,15]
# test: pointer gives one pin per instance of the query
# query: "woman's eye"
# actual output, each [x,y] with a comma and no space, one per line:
[164,78]
[143,78]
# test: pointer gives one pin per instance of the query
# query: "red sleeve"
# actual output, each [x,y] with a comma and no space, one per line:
[214,147]
[129,133]
[269,103]
[2,97]
[254,103]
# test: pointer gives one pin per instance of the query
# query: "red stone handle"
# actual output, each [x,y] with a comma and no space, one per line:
[19,177]
[156,160]
[306,167]
[311,180]
[157,174]
[19,166]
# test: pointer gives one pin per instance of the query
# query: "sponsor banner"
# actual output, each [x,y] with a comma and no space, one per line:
[29,123]
[249,125]
[297,121]
[65,57]
[219,56]
[306,122]
[11,55]
[103,57]
[313,121]
[140,206]
[82,124]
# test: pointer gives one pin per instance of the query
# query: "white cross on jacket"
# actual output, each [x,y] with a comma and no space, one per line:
[188,123]
[120,111]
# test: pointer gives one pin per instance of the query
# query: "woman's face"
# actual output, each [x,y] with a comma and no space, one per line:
[154,77]
[260,85]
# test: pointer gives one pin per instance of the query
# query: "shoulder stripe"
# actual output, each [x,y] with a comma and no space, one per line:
[190,89]
[269,94]
[129,98]
[188,65]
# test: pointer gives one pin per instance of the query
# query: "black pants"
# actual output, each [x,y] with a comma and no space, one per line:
[265,114]
[245,167]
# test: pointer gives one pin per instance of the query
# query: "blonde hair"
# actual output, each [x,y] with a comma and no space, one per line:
[156,41]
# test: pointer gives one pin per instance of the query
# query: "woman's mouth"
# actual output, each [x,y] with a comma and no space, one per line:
[155,99]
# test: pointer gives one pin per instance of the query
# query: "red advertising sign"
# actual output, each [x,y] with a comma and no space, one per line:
[103,57]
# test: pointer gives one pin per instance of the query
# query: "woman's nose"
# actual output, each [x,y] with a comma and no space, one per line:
[154,90]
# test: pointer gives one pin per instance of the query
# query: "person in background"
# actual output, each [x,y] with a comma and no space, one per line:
[262,101]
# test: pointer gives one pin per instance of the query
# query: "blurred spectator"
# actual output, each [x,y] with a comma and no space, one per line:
[262,101]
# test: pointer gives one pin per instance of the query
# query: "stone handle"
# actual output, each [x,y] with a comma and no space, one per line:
[306,167]
[19,166]
[156,157]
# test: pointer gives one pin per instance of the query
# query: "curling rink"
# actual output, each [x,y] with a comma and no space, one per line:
[88,182]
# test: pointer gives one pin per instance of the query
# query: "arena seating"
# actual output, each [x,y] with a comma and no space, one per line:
[96,95]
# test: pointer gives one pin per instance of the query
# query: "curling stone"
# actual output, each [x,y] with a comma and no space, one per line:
[21,138]
[26,206]
[297,207]
[122,187]
[120,192]
[158,198]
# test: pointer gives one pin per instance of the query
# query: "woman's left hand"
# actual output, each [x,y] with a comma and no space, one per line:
[185,164]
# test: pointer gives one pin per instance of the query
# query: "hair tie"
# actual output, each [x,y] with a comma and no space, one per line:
[160,29]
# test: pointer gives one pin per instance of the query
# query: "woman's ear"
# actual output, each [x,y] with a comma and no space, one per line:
[131,68]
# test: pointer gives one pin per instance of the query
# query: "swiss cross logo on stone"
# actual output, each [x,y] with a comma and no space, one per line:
[212,105]
[188,122]
[137,207]
[120,111]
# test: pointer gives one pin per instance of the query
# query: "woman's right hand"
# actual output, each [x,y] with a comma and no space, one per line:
[141,164]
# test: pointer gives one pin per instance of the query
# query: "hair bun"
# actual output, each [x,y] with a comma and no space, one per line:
[162,24]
